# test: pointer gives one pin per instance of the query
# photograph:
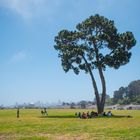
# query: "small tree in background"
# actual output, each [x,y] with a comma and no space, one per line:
[129,94]
[95,44]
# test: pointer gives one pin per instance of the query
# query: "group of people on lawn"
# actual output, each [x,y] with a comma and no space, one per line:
[83,115]
[91,114]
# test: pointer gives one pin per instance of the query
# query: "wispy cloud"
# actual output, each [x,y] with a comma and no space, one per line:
[27,9]
[18,57]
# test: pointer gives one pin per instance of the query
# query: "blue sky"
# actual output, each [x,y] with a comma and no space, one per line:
[30,70]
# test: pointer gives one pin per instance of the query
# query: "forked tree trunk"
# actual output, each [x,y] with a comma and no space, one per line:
[103,97]
[100,101]
[101,105]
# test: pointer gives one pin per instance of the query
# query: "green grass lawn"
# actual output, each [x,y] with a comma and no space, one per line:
[61,124]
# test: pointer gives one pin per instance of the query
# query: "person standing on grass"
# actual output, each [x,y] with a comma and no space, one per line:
[18,113]
[45,111]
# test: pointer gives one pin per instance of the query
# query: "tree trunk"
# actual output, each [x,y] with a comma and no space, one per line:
[99,107]
[100,101]
[103,96]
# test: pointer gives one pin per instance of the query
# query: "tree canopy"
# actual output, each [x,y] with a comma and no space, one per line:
[101,33]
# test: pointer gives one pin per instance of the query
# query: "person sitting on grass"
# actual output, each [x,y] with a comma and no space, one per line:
[84,115]
[104,114]
[109,113]
[95,114]
[79,115]
[76,114]
[92,114]
[88,115]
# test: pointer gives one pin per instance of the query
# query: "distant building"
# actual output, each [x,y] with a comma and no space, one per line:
[123,107]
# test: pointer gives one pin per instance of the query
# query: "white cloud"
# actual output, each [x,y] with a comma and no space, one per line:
[19,56]
[29,9]
[26,9]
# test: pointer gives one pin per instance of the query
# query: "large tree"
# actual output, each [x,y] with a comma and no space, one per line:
[94,45]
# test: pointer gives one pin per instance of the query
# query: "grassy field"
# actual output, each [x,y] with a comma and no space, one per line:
[61,124]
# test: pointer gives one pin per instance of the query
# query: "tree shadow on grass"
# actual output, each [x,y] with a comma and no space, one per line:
[72,116]
[57,116]
[122,116]
[115,116]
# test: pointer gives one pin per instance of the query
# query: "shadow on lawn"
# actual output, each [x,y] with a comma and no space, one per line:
[71,116]
[122,116]
[57,116]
